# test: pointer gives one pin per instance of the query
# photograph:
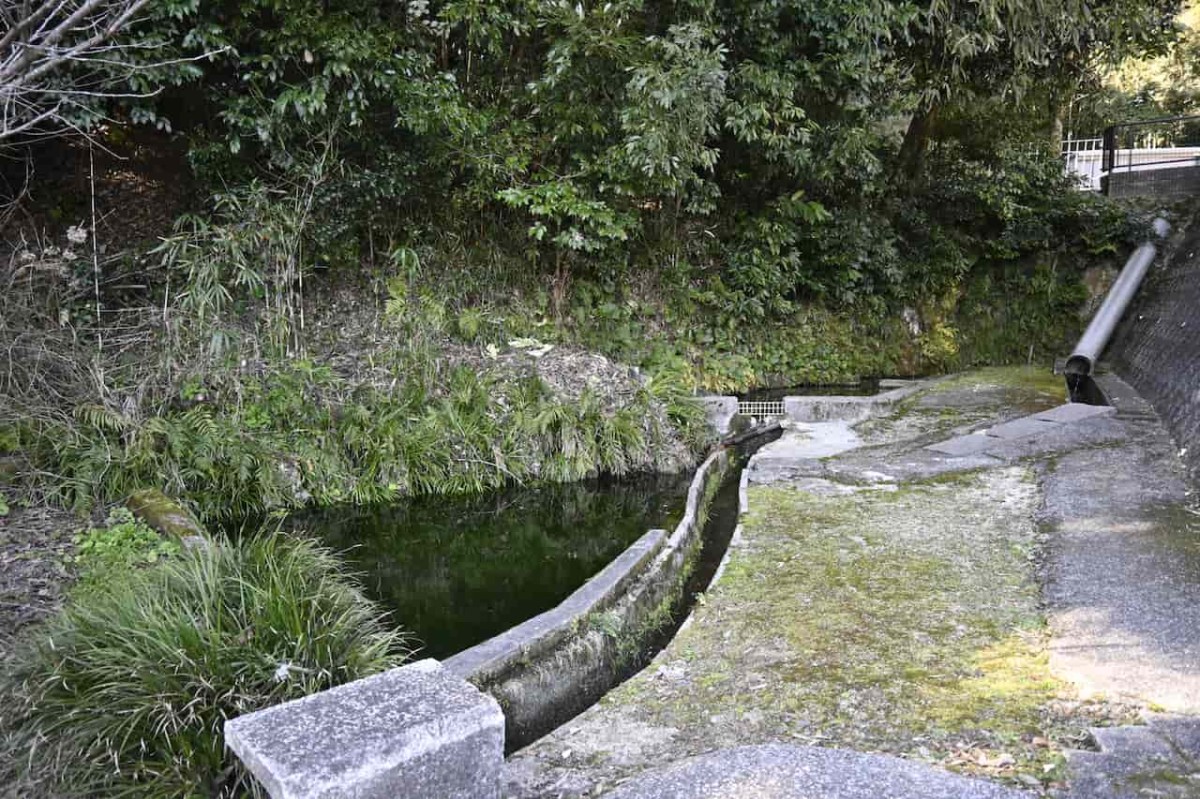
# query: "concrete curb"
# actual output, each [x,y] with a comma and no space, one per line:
[847,409]
[519,645]
[548,670]
[555,665]
[416,730]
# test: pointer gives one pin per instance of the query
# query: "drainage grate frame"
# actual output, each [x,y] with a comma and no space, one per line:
[761,409]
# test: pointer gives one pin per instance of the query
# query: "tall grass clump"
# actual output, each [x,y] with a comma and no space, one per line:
[301,434]
[126,691]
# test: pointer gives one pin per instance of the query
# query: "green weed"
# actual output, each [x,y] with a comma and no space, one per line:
[126,691]
[121,544]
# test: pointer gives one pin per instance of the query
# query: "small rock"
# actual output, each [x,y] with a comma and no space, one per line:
[164,514]
[195,542]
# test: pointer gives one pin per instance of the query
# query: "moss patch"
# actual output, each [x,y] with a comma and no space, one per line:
[905,622]
[914,625]
[990,395]
[164,514]
[1025,384]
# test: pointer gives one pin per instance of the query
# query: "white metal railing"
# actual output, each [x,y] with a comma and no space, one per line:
[1144,158]
[1076,145]
[1087,166]
[1084,158]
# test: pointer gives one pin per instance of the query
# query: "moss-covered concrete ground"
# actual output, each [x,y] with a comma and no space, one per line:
[956,403]
[898,618]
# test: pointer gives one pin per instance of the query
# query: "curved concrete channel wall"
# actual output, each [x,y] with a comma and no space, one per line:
[554,665]
[434,729]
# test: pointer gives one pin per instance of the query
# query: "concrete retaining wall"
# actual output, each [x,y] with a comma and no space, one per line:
[845,409]
[1175,183]
[1157,346]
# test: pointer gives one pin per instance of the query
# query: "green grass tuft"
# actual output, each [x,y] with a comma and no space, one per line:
[125,693]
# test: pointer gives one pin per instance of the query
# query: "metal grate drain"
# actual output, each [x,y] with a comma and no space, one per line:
[761,409]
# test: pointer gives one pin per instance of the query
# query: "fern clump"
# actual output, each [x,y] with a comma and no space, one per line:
[126,691]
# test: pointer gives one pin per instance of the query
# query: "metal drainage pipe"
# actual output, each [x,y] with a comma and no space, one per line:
[1083,359]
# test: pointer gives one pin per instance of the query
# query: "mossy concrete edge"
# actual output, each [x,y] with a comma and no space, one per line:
[549,668]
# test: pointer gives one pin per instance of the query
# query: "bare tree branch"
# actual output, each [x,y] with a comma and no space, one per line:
[54,50]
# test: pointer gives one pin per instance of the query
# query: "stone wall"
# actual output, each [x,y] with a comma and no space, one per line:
[1157,346]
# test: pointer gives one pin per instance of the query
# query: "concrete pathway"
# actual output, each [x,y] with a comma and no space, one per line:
[884,597]
[805,772]
[1123,588]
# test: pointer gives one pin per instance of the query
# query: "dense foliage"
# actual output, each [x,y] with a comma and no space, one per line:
[122,543]
[128,689]
[405,214]
[625,133]
[722,192]
[302,434]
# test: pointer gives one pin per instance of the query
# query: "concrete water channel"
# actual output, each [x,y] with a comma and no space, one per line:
[972,589]
[990,591]
[964,588]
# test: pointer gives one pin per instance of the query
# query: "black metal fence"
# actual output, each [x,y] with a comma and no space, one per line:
[1158,157]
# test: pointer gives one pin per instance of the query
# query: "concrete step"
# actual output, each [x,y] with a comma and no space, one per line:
[1090,776]
[1159,759]
[1183,732]
[1126,742]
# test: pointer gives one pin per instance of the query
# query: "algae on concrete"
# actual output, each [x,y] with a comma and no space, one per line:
[957,404]
[905,622]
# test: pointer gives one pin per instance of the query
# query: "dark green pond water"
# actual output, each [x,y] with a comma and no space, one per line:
[457,570]
[867,388]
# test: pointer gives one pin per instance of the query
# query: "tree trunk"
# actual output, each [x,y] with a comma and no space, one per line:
[559,286]
[916,141]
[1058,113]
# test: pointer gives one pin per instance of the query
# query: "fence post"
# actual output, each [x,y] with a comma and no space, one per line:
[1109,159]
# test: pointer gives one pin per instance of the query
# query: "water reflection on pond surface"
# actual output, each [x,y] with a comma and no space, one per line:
[457,570]
[866,388]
